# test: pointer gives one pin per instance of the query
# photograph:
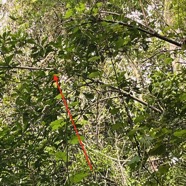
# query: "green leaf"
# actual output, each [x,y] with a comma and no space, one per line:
[119,42]
[78,177]
[57,124]
[4,131]
[68,13]
[8,59]
[163,169]
[89,96]
[61,156]
[94,74]
[150,88]
[95,11]
[114,111]
[134,160]
[85,117]
[58,96]
[12,17]
[99,4]
[73,104]
[117,126]
[83,122]
[168,60]
[126,40]
[159,149]
[81,7]
[133,131]
[31,41]
[183,46]
[94,58]
[183,97]
[180,133]
[74,140]
[49,149]
[139,118]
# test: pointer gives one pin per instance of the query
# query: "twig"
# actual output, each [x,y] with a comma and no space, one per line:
[144,14]
[127,94]
[159,52]
[108,12]
[25,67]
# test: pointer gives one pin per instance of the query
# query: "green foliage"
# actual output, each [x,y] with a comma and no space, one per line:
[78,177]
[126,100]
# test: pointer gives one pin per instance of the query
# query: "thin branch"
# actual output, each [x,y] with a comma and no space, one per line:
[139,100]
[159,52]
[108,12]
[25,67]
[127,94]
[123,176]
[144,14]
[144,30]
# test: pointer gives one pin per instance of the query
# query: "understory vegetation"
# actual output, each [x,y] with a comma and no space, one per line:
[122,68]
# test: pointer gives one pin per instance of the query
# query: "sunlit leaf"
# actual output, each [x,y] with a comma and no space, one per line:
[78,177]
[58,96]
[61,156]
[74,140]
[94,74]
[57,124]
[9,58]
[69,13]
[180,133]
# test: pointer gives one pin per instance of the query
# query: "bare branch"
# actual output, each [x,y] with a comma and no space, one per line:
[144,30]
[127,94]
[25,67]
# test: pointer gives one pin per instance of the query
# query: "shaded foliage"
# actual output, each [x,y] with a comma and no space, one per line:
[115,69]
